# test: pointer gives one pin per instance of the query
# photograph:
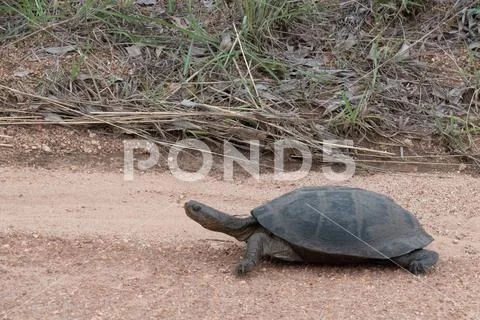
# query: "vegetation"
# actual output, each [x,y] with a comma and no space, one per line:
[239,70]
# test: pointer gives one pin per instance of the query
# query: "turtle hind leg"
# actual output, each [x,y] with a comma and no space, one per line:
[417,261]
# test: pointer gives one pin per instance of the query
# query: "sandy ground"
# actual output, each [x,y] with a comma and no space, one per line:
[91,246]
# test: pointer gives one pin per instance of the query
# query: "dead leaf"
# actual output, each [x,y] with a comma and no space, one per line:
[248,133]
[408,142]
[34,106]
[333,105]
[350,42]
[403,53]
[374,52]
[264,92]
[455,95]
[347,44]
[308,62]
[226,43]
[89,109]
[182,23]
[52,117]
[114,79]
[261,87]
[159,50]
[60,50]
[134,51]
[183,125]
[474,45]
[197,51]
[188,103]
[21,73]
[146,2]
[209,4]
[173,87]
[85,76]
[289,86]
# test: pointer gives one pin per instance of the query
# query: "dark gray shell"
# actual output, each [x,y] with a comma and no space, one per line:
[343,221]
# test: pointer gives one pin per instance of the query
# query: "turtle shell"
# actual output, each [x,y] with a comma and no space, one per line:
[343,221]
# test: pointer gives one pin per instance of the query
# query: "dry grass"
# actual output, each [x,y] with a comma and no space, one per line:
[237,71]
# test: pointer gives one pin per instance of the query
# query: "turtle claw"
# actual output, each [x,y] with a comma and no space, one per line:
[244,267]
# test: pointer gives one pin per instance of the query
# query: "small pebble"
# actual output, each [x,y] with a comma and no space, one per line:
[46,148]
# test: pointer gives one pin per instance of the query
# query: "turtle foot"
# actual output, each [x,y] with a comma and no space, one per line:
[416,267]
[418,261]
[428,259]
[244,267]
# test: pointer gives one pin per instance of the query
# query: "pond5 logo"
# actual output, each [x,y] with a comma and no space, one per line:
[232,155]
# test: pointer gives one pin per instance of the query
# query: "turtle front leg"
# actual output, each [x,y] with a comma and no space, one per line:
[254,253]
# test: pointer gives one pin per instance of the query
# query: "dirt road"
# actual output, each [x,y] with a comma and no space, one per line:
[91,246]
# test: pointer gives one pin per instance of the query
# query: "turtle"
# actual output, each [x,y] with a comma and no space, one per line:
[325,225]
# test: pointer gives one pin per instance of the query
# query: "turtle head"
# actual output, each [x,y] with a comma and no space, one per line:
[215,220]
[206,216]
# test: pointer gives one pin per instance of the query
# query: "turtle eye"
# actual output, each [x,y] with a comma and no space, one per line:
[196,207]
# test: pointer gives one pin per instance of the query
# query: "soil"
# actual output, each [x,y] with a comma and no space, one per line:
[79,242]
